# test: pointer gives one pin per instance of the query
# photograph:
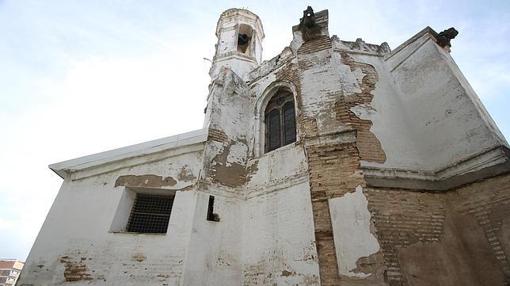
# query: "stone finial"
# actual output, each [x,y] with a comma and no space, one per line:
[444,38]
[308,25]
[308,19]
[384,48]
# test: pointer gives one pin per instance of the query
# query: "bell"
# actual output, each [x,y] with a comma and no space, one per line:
[243,39]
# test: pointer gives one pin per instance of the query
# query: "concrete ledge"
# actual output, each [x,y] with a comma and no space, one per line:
[488,164]
[347,135]
[233,55]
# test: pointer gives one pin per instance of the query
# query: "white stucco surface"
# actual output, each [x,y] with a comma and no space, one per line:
[446,122]
[278,239]
[352,233]
[83,215]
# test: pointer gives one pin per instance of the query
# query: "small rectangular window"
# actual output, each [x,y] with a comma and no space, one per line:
[150,213]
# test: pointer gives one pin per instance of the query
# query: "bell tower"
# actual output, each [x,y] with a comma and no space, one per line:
[239,46]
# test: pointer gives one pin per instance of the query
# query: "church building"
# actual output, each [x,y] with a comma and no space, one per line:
[334,163]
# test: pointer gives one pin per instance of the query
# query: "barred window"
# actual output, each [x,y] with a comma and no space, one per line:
[280,121]
[150,213]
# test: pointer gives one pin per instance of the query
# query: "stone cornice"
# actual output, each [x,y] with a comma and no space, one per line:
[483,165]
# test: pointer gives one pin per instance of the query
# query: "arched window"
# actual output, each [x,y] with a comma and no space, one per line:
[280,121]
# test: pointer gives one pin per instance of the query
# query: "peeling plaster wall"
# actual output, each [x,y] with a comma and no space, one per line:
[277,224]
[76,244]
[304,213]
[226,152]
[333,87]
[321,76]
[388,117]
[323,80]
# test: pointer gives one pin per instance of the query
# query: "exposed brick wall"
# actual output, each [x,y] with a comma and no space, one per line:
[315,45]
[333,171]
[290,73]
[403,218]
[462,233]
[217,135]
[334,168]
[369,146]
[323,164]
[75,270]
[488,202]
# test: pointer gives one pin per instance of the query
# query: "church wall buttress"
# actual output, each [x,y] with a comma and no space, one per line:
[335,140]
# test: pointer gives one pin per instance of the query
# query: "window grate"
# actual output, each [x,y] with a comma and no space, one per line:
[150,214]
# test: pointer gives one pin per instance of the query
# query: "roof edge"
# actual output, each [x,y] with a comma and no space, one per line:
[176,141]
[426,30]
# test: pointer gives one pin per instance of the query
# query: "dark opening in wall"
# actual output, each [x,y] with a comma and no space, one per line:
[211,216]
[244,39]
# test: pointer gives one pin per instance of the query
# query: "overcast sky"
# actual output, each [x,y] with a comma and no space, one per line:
[80,77]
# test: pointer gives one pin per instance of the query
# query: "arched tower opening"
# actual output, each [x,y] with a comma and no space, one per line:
[244,40]
[239,46]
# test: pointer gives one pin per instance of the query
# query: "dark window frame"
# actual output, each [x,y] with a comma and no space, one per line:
[279,121]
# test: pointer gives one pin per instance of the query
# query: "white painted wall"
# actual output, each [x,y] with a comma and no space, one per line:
[352,232]
[389,118]
[445,118]
[275,226]
[214,250]
[278,239]
[78,226]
